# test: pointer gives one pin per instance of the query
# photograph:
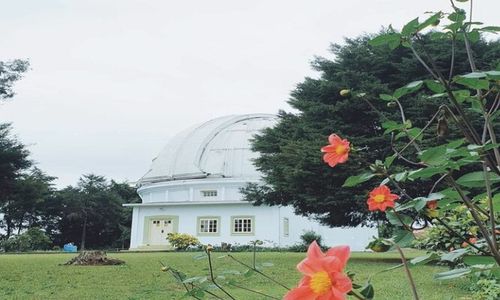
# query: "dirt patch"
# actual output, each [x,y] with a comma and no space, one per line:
[94,258]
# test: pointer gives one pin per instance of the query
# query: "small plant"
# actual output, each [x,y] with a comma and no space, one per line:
[182,241]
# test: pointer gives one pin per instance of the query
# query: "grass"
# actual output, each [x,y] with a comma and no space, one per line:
[39,276]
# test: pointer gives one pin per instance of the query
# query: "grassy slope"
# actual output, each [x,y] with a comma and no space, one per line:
[38,276]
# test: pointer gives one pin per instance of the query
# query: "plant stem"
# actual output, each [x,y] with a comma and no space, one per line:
[257,271]
[408,273]
[213,279]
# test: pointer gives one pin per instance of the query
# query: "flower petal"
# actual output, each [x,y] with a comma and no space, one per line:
[341,252]
[333,139]
[300,293]
[314,251]
[309,266]
[341,282]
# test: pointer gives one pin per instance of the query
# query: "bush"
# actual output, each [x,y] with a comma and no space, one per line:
[182,241]
[30,240]
[310,236]
[438,238]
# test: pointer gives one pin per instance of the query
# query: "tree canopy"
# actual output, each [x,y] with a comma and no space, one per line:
[290,161]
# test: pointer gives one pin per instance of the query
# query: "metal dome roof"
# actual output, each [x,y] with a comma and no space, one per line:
[217,148]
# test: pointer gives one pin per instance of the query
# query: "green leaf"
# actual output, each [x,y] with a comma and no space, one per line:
[367,291]
[357,179]
[385,39]
[474,75]
[410,27]
[478,260]
[473,83]
[394,220]
[435,86]
[456,143]
[426,172]
[389,160]
[386,97]
[473,36]
[434,155]
[404,238]
[457,17]
[422,260]
[455,273]
[492,29]
[430,21]
[407,89]
[494,75]
[454,255]
[476,179]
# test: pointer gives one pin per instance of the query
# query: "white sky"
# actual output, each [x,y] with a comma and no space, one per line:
[111,81]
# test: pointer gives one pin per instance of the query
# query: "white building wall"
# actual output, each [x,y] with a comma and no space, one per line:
[268,225]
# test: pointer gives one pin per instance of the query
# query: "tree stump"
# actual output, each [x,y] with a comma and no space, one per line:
[94,258]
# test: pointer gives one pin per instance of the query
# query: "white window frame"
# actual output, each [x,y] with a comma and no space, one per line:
[286,227]
[208,221]
[209,193]
[249,229]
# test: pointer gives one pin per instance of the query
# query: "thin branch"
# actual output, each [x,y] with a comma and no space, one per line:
[407,271]
[452,62]
[213,278]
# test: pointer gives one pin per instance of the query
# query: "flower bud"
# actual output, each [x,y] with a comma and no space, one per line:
[345,92]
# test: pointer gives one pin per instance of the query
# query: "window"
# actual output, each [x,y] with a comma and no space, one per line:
[210,193]
[208,225]
[243,225]
[286,227]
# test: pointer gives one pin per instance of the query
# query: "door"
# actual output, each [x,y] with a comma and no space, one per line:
[159,228]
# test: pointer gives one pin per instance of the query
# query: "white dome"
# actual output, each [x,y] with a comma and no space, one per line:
[217,148]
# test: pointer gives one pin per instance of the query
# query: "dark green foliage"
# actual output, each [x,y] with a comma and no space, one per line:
[92,214]
[290,160]
[10,72]
[31,240]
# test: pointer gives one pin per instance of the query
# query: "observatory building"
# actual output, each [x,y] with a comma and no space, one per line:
[193,186]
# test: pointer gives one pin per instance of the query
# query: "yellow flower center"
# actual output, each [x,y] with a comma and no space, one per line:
[320,283]
[340,149]
[379,198]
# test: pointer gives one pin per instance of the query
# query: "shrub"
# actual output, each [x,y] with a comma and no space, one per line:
[310,236]
[182,241]
[30,240]
[438,238]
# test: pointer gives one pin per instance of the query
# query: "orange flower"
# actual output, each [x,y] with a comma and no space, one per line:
[433,204]
[337,152]
[323,275]
[381,198]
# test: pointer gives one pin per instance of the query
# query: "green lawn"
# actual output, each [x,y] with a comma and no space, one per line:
[39,276]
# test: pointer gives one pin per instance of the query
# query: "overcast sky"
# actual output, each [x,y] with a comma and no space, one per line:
[111,81]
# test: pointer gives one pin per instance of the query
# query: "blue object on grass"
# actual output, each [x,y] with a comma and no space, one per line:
[70,248]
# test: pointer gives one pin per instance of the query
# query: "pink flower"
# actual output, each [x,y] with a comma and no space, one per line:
[324,277]
[337,152]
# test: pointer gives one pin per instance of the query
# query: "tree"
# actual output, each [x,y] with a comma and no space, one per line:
[292,167]
[30,201]
[92,213]
[10,72]
[13,161]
